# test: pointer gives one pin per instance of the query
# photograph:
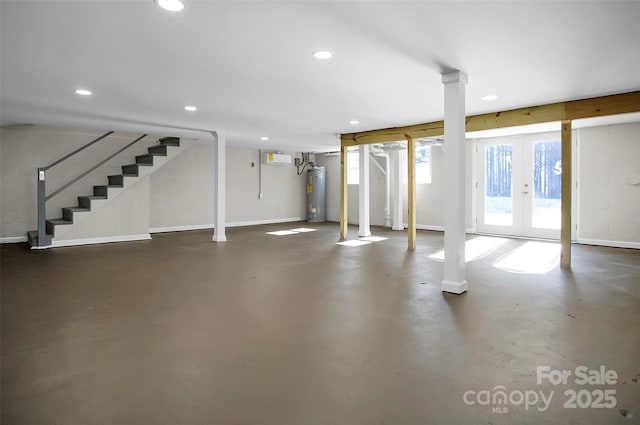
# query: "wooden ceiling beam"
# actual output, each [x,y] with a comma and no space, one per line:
[571,110]
[394,134]
[616,104]
[515,117]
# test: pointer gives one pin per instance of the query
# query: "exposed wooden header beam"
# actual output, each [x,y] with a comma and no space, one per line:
[515,117]
[601,106]
[571,110]
[394,134]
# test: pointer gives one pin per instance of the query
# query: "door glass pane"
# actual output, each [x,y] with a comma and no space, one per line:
[498,200]
[547,184]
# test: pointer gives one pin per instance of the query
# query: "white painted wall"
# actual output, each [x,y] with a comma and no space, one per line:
[283,191]
[608,201]
[332,174]
[180,194]
[126,215]
[25,148]
[377,184]
[609,185]
[429,197]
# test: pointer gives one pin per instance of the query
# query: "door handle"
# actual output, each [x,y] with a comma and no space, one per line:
[525,193]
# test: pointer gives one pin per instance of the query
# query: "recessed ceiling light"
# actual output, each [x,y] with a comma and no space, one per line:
[489,97]
[190,108]
[172,5]
[83,92]
[354,122]
[264,138]
[322,54]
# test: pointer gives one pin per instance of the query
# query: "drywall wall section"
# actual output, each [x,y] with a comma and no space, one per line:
[283,191]
[429,197]
[609,185]
[27,147]
[377,184]
[182,192]
[608,195]
[179,195]
[124,217]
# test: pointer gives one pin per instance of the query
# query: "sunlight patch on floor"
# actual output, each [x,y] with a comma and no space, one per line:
[291,232]
[303,230]
[533,257]
[373,238]
[365,240]
[474,249]
[353,242]
[282,233]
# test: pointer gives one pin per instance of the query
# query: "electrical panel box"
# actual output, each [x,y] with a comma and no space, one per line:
[272,158]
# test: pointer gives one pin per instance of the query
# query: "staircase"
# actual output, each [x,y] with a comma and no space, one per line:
[157,156]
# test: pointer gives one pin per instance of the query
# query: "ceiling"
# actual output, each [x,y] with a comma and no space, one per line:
[248,65]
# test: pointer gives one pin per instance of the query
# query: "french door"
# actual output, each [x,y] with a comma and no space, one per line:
[519,185]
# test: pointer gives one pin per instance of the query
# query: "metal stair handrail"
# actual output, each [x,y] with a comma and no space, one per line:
[43,198]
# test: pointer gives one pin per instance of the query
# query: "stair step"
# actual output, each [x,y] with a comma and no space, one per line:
[100,190]
[144,159]
[117,180]
[103,190]
[85,201]
[170,141]
[56,222]
[67,213]
[32,238]
[160,150]
[130,170]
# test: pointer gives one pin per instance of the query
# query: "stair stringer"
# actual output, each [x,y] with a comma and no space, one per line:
[126,217]
[128,213]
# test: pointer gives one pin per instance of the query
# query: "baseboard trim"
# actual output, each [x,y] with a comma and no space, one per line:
[613,244]
[181,228]
[429,227]
[438,228]
[260,222]
[13,239]
[94,241]
[231,224]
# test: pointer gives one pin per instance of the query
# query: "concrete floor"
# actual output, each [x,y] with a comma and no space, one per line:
[298,330]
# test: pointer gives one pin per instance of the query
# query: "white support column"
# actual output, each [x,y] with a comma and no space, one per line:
[344,226]
[396,190]
[454,169]
[363,192]
[220,144]
[411,192]
[387,192]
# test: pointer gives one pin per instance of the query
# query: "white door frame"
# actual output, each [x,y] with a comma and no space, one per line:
[522,173]
[515,229]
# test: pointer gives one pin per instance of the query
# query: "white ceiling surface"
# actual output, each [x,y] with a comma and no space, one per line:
[248,66]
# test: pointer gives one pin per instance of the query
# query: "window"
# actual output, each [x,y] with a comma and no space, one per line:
[423,165]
